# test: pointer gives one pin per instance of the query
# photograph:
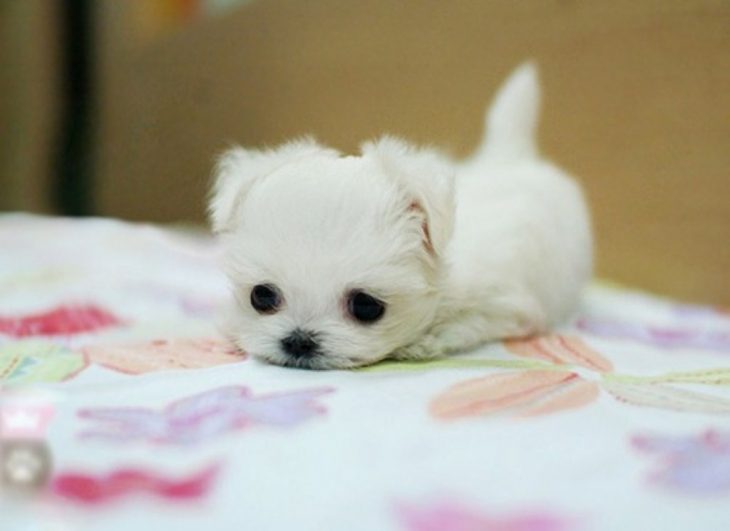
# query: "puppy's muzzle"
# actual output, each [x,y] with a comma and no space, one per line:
[300,344]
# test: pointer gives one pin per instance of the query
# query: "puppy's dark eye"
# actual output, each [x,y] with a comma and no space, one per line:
[265,298]
[364,308]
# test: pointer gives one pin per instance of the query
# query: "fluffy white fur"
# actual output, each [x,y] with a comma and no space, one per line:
[462,253]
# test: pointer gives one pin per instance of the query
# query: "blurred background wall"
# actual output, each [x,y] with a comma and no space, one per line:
[29,102]
[636,104]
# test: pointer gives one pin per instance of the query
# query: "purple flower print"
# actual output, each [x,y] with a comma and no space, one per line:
[453,516]
[659,336]
[696,465]
[204,416]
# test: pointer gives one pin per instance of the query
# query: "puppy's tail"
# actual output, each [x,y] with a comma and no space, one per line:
[511,121]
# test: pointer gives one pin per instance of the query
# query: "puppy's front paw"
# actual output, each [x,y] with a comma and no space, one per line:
[425,348]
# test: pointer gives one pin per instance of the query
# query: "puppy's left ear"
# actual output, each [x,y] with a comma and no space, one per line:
[238,169]
[427,179]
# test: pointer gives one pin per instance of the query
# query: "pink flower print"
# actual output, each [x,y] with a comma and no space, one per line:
[451,516]
[64,320]
[696,464]
[92,489]
[204,416]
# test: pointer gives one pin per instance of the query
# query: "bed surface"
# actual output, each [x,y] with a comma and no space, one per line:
[111,360]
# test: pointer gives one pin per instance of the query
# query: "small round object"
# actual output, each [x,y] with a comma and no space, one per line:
[364,308]
[265,298]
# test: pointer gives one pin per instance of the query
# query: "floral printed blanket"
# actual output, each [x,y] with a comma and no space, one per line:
[122,407]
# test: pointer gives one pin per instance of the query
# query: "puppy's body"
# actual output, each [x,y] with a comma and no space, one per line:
[342,261]
[521,248]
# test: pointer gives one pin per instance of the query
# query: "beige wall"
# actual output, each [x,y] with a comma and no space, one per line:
[28,102]
[637,105]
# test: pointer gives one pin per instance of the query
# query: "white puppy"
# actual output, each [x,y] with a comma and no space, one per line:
[341,261]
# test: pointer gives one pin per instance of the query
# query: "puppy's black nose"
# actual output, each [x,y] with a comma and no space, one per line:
[300,344]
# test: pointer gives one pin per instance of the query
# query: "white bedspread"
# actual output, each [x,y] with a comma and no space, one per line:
[111,363]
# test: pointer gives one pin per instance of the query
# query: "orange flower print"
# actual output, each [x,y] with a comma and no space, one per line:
[524,393]
[556,384]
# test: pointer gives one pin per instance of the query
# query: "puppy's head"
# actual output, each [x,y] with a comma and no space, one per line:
[335,261]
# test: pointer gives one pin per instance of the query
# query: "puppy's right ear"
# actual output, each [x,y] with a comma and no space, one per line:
[238,169]
[425,178]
